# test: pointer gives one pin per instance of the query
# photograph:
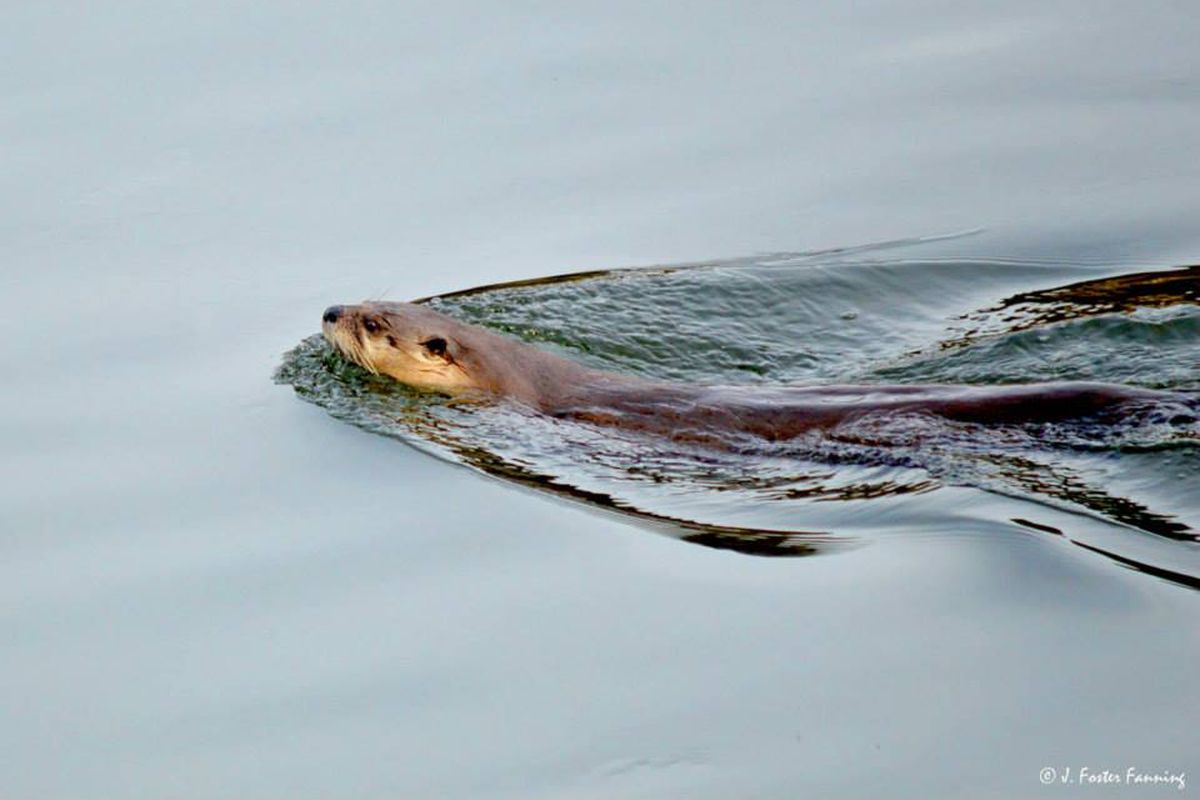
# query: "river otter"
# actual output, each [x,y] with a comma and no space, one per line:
[428,350]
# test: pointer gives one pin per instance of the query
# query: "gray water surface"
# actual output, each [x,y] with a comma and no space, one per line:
[212,589]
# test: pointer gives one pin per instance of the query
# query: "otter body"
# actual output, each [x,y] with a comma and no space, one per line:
[429,350]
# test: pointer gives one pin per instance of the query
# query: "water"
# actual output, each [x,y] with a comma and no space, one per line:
[213,589]
[772,321]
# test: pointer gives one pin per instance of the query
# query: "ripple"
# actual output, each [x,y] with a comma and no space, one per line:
[784,319]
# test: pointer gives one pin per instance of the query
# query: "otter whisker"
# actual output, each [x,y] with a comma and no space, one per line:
[363,359]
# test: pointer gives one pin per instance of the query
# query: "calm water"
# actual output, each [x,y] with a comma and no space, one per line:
[212,589]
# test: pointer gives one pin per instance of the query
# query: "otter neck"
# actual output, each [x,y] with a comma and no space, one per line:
[531,376]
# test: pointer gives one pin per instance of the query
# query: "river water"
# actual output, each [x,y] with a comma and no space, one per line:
[214,588]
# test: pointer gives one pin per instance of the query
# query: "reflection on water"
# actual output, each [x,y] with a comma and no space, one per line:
[807,318]
[1121,294]
[1104,296]
[213,590]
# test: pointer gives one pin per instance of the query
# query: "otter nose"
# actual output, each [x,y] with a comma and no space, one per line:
[331,314]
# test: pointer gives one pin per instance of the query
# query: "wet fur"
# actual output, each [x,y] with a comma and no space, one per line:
[478,361]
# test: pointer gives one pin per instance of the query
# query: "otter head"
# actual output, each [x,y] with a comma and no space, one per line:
[415,345]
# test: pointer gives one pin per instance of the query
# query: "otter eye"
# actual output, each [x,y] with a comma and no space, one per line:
[436,346]
[371,325]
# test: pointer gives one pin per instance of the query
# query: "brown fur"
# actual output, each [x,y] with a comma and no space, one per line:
[429,350]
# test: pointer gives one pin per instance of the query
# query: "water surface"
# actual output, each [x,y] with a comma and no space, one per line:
[212,589]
